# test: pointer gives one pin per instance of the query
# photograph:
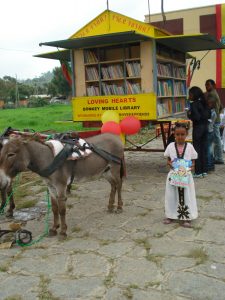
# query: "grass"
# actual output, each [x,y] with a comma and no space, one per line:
[199,255]
[43,290]
[39,118]
[143,242]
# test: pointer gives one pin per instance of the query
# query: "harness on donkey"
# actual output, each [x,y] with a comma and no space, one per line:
[72,145]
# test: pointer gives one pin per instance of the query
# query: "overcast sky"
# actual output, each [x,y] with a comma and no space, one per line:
[26,23]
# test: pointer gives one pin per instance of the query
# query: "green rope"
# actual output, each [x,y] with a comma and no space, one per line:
[50,137]
[46,230]
[9,196]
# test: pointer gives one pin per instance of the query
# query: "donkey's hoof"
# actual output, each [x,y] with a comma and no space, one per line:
[119,210]
[52,232]
[110,210]
[9,214]
[62,236]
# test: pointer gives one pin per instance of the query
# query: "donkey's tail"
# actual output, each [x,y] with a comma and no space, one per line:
[123,172]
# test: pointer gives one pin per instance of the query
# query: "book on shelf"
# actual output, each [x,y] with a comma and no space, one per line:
[179,88]
[93,90]
[179,72]
[179,105]
[112,89]
[165,88]
[164,70]
[164,107]
[133,88]
[92,73]
[90,56]
[112,72]
[133,69]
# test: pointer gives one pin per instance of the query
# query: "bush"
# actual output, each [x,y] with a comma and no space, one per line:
[37,102]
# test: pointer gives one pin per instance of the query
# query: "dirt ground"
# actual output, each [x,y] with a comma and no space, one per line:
[131,255]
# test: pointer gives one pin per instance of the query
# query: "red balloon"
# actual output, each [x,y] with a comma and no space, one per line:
[130,125]
[111,127]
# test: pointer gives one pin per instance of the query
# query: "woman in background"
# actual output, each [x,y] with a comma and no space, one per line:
[199,113]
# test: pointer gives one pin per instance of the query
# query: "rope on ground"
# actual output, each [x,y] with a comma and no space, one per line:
[22,234]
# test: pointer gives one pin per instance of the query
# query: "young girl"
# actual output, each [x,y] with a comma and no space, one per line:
[180,202]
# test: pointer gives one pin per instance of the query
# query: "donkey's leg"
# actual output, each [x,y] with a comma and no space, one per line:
[119,189]
[117,181]
[62,213]
[55,210]
[112,196]
[9,212]
[4,196]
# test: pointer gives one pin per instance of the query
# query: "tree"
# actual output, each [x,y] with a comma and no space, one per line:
[59,85]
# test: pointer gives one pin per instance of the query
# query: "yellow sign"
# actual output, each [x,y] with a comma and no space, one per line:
[142,106]
[111,22]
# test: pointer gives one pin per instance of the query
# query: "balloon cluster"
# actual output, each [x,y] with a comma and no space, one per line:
[111,123]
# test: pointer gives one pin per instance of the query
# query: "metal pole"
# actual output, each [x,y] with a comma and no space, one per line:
[16,94]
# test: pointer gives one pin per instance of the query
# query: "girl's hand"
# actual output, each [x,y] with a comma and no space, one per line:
[169,163]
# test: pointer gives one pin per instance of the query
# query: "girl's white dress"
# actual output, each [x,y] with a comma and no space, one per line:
[171,194]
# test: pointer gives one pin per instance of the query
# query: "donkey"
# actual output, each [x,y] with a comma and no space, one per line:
[6,191]
[19,155]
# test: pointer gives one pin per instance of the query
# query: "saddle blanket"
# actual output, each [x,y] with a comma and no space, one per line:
[57,146]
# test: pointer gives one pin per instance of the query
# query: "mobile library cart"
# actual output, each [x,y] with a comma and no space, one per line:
[130,67]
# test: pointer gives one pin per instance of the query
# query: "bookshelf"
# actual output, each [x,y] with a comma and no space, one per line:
[138,69]
[112,70]
[171,81]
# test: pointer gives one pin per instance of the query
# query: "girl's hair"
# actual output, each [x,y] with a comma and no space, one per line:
[185,125]
[198,94]
[211,81]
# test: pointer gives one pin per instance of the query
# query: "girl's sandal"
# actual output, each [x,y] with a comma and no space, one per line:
[186,224]
[167,221]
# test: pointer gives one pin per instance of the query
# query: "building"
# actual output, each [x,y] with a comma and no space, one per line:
[208,19]
[124,65]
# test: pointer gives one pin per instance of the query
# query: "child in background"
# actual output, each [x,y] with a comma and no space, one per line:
[210,136]
[180,203]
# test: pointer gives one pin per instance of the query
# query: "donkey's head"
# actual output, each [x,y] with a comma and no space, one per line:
[12,160]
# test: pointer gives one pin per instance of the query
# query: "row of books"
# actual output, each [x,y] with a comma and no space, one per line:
[179,88]
[113,71]
[114,89]
[179,105]
[165,88]
[164,107]
[90,57]
[133,69]
[133,88]
[91,73]
[170,71]
[93,91]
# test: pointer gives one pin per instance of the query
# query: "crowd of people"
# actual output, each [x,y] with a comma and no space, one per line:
[206,113]
[196,160]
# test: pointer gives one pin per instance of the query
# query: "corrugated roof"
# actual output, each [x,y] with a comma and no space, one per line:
[190,43]
[98,40]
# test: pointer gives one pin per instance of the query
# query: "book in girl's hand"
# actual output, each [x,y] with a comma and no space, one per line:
[180,175]
[180,162]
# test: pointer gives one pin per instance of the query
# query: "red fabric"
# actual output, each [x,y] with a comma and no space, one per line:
[66,73]
[189,76]
[218,52]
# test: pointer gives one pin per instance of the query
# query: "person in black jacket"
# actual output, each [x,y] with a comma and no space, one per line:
[199,114]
